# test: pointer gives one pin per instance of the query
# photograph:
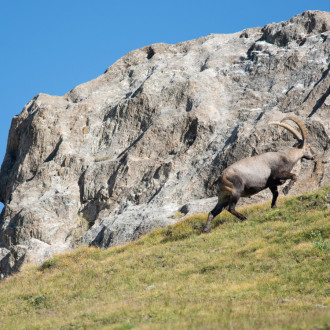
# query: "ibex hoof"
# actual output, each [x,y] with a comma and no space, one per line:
[206,229]
[286,190]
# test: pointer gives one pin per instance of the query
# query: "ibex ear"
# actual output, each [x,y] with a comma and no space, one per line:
[299,144]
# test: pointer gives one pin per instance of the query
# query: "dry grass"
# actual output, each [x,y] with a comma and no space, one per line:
[269,272]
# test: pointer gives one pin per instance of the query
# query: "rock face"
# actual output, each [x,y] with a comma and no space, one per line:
[123,154]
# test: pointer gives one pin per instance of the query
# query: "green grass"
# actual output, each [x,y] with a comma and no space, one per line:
[271,272]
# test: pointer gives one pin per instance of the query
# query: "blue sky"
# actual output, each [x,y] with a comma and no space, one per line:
[50,46]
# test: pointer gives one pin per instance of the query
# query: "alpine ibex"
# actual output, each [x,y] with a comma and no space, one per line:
[250,175]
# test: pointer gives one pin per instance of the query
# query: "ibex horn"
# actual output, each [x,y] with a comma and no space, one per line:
[302,127]
[289,128]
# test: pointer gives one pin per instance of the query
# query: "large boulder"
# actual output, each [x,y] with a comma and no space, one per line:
[130,150]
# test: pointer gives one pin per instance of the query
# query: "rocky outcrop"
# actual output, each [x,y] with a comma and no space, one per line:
[124,153]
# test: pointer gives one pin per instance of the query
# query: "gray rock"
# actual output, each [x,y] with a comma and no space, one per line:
[129,225]
[122,154]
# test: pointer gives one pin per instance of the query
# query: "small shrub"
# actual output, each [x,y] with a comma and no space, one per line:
[177,215]
[207,269]
[184,229]
[318,241]
[50,263]
[37,301]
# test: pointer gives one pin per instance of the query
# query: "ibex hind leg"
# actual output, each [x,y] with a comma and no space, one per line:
[218,208]
[223,202]
[231,208]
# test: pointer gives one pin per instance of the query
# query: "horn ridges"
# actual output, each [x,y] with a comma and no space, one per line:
[289,128]
[300,124]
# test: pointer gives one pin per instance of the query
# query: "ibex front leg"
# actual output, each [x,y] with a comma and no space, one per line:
[274,191]
[286,176]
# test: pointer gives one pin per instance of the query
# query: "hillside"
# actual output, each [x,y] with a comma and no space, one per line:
[269,272]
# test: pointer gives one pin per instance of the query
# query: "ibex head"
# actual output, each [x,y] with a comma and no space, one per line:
[308,153]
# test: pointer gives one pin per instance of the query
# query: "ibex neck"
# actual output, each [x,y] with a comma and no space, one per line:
[295,154]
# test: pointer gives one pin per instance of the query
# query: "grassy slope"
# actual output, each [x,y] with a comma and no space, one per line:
[269,272]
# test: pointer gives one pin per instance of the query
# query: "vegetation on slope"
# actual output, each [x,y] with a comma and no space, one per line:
[271,271]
